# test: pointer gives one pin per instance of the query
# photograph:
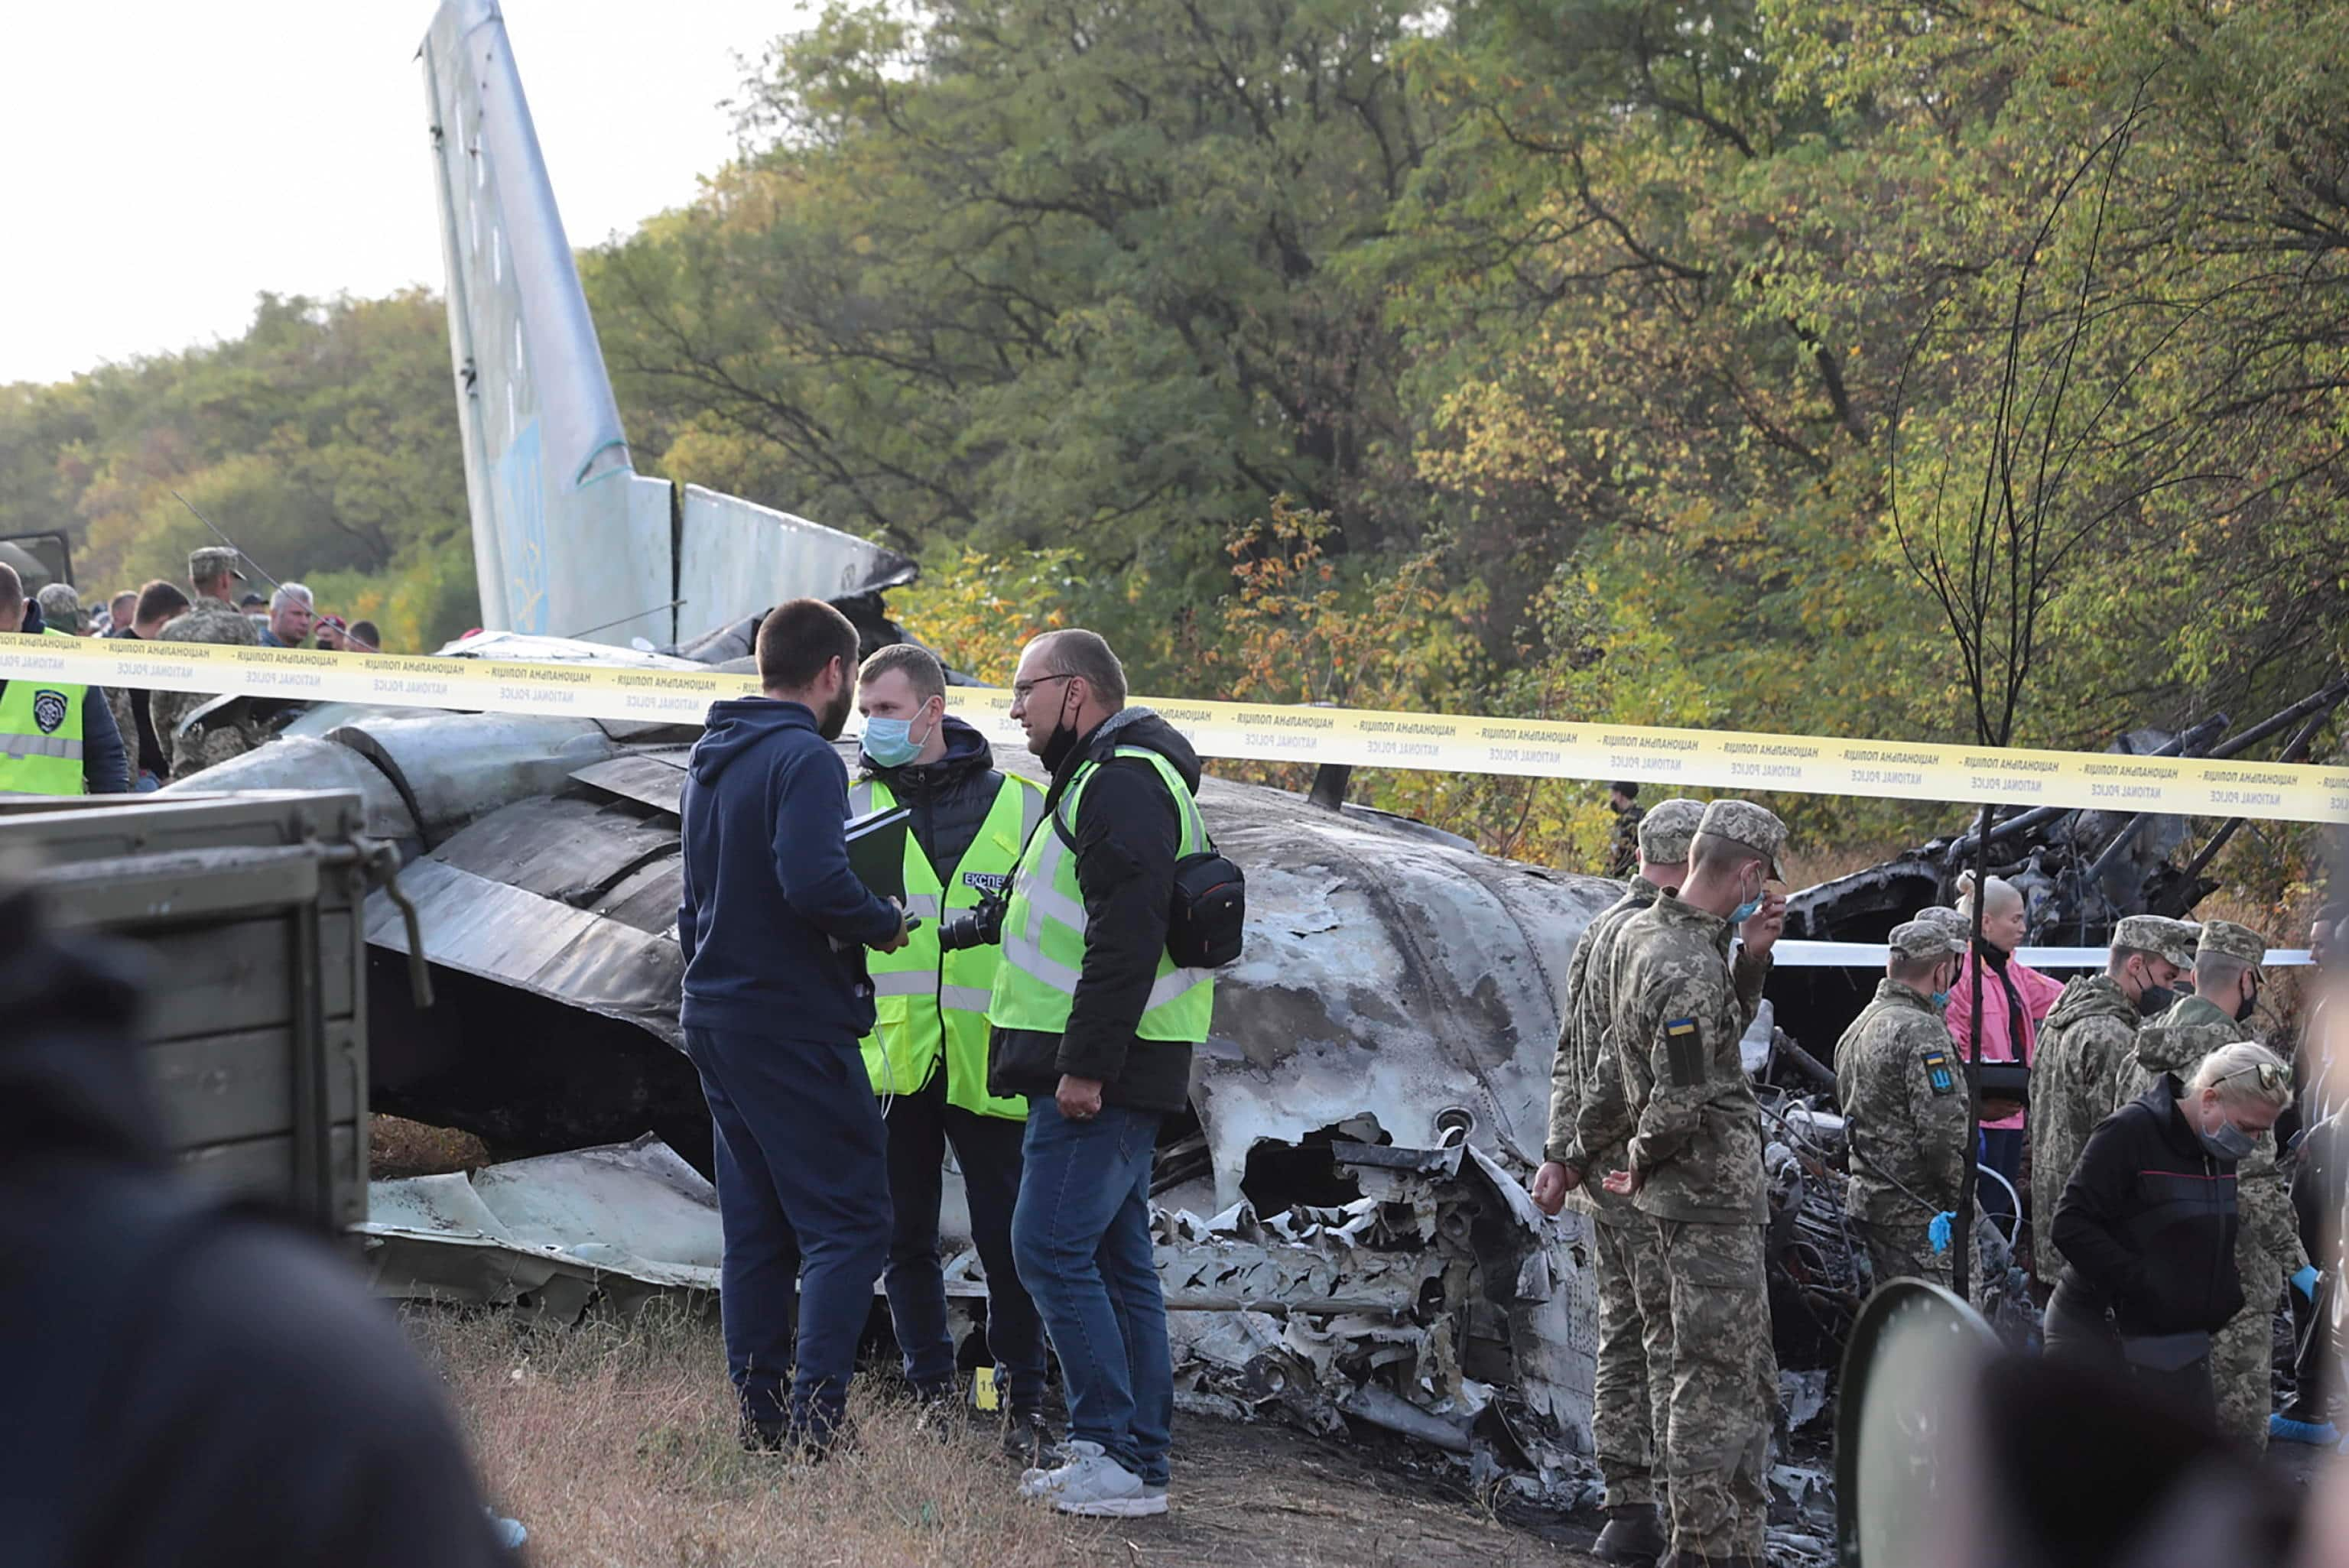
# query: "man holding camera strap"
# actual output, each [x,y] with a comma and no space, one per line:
[926,1055]
[1095,1020]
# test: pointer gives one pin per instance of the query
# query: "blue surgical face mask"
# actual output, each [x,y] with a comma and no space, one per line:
[1746,911]
[890,742]
[2227,1142]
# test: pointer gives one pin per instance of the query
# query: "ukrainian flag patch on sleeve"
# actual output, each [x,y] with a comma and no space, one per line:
[1938,1076]
[1684,1052]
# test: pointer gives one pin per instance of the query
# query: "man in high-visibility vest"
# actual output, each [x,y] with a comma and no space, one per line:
[928,1052]
[1095,1023]
[55,737]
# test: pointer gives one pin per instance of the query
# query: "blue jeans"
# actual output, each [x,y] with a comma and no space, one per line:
[1082,1236]
[803,1201]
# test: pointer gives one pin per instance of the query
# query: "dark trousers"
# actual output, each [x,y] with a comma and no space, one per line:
[2313,1373]
[2078,1331]
[1082,1234]
[921,1125]
[803,1201]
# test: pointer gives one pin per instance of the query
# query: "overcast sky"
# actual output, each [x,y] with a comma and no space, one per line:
[168,160]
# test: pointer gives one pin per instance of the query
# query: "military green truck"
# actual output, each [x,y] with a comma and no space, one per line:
[246,910]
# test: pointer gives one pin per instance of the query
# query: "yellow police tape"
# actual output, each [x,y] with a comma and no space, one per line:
[1719,760]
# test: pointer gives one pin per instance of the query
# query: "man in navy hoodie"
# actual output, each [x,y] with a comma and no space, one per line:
[773,925]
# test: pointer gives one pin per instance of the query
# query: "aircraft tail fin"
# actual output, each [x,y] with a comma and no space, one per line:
[568,539]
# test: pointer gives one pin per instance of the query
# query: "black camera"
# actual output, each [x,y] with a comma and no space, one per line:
[980,926]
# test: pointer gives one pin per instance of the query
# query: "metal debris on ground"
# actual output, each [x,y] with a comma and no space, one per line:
[1440,1304]
[550,1236]
[1802,1511]
[1802,1395]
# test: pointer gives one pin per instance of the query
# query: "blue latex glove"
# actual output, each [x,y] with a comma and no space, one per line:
[1938,1232]
[2304,1282]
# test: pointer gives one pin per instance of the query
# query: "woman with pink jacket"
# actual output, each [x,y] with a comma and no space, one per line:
[2015,999]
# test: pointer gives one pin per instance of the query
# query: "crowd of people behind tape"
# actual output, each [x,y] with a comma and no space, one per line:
[2164,1230]
[97,740]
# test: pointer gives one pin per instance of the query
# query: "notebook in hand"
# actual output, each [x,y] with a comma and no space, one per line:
[876,849]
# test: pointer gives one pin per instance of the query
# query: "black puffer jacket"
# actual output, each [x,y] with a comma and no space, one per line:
[1128,835]
[950,798]
[2148,1220]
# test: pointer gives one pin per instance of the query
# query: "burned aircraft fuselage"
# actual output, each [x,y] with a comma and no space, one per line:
[1395,989]
[1384,1043]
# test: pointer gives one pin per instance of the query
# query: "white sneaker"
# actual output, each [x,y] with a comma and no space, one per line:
[1091,1484]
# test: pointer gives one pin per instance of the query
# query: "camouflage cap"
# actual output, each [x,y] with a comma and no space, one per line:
[1948,919]
[1745,823]
[60,606]
[1926,939]
[2165,938]
[2225,939]
[212,561]
[1666,829]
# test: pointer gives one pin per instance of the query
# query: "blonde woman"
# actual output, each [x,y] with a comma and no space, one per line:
[2015,1000]
[2148,1223]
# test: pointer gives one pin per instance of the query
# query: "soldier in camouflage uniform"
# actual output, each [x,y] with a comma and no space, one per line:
[2268,1251]
[1623,841]
[213,618]
[2083,1047]
[1586,1094]
[1904,1104]
[1695,1168]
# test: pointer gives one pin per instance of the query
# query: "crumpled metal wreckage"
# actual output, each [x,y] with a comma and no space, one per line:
[1381,1051]
[1386,1038]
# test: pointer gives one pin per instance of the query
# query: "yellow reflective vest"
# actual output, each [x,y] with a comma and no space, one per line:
[931,1004]
[1044,930]
[40,735]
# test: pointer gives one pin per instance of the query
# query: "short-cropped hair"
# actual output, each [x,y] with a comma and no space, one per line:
[798,639]
[158,600]
[1087,656]
[917,664]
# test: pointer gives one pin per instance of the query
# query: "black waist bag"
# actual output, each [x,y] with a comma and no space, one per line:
[1210,907]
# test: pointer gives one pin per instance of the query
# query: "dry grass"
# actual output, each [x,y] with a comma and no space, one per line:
[1805,865]
[615,1443]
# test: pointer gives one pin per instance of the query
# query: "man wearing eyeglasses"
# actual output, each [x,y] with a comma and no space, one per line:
[1094,1023]
[2268,1251]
